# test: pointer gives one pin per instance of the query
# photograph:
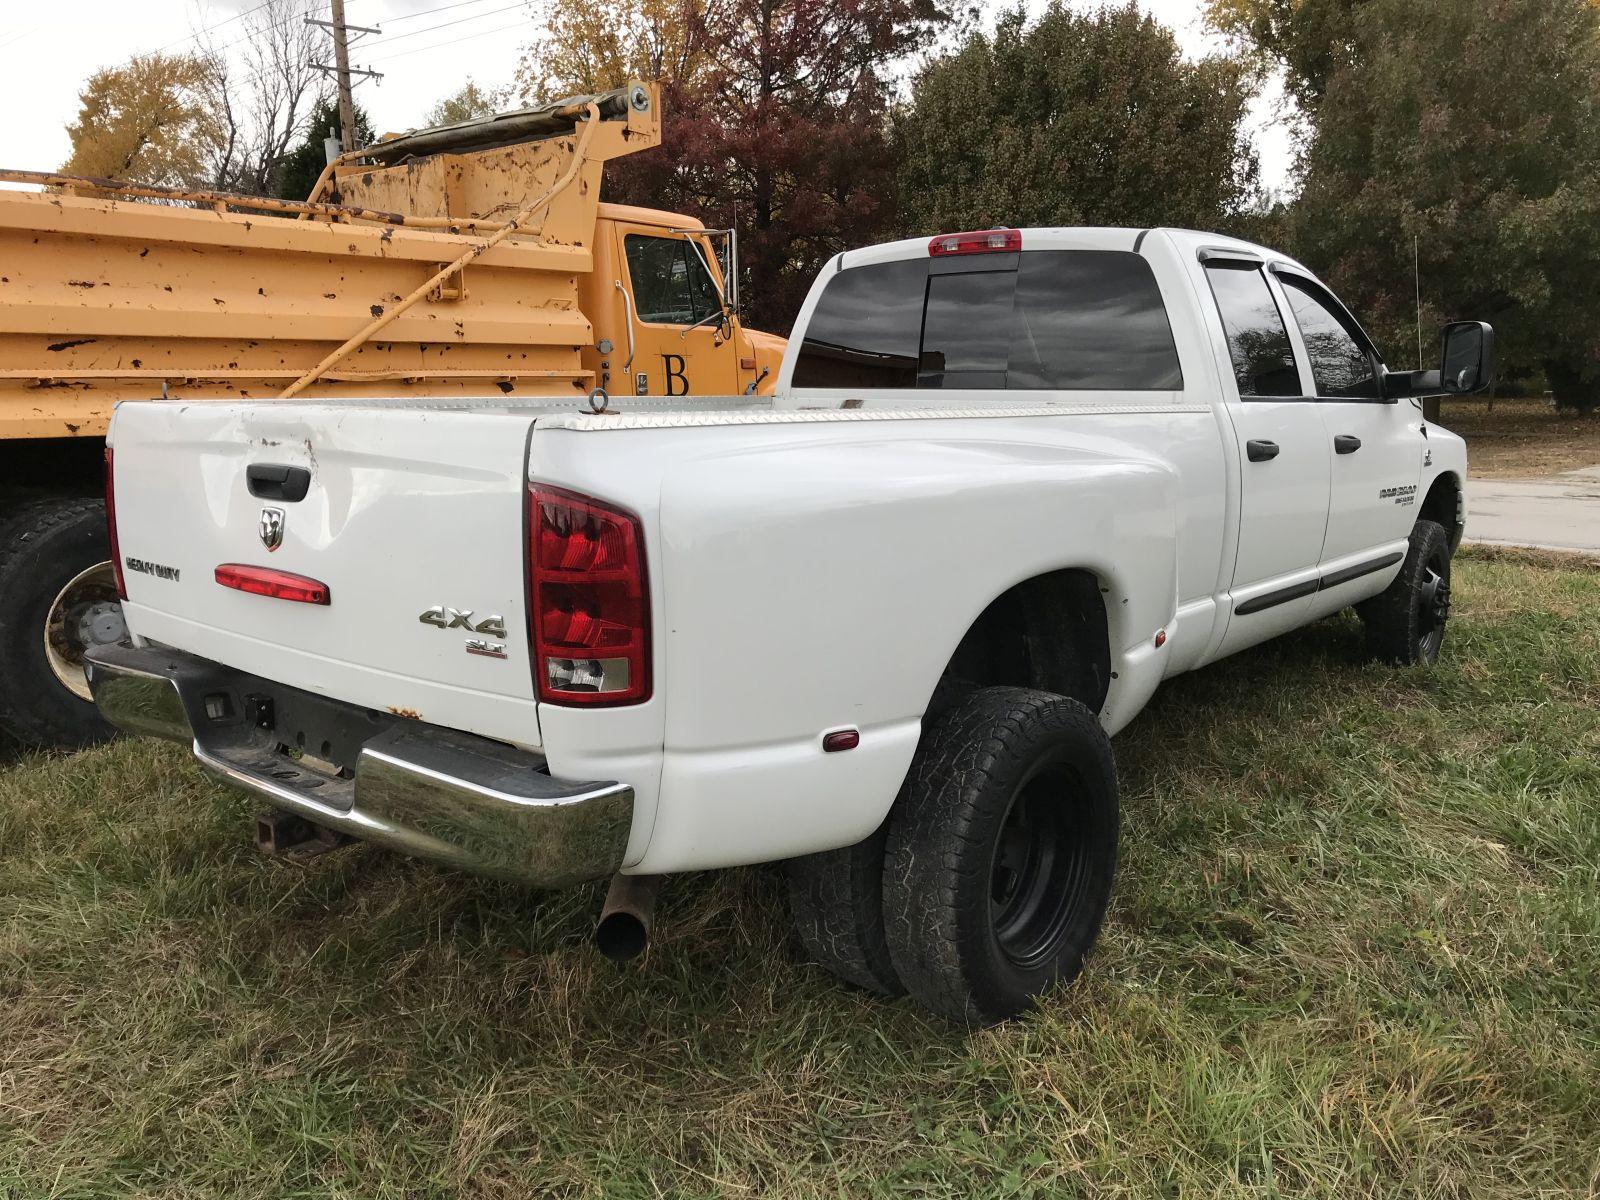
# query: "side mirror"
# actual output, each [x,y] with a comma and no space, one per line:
[1466,359]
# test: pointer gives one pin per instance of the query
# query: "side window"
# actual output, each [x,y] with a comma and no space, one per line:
[1340,364]
[670,284]
[866,328]
[1263,359]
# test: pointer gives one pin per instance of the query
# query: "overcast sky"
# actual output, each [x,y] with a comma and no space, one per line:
[428,47]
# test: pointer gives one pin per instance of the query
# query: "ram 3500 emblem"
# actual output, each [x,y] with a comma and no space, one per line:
[494,626]
[272,527]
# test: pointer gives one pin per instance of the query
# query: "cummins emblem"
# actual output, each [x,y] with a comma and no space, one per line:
[272,527]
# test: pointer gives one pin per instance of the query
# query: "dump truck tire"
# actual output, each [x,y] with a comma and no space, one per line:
[57,595]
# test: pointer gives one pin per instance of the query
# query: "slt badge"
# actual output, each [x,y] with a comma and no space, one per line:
[272,527]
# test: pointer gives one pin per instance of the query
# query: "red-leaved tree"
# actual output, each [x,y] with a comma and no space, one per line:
[782,134]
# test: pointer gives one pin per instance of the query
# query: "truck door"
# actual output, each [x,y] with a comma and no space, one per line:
[1377,446]
[681,345]
[1283,457]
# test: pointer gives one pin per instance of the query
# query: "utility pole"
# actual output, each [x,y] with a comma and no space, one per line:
[342,70]
[341,60]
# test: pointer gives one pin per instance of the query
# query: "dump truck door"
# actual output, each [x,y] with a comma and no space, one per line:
[681,345]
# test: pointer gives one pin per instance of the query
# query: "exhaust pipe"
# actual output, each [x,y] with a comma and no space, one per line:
[626,918]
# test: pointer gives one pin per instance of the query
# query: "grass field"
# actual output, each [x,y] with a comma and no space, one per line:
[1519,439]
[1355,952]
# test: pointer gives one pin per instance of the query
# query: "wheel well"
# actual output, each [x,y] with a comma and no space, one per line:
[1048,632]
[1443,504]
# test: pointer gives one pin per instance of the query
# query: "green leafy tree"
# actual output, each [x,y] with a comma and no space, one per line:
[1470,130]
[1310,39]
[466,103]
[1077,118]
[304,163]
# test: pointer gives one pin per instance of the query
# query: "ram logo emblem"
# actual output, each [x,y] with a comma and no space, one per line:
[272,527]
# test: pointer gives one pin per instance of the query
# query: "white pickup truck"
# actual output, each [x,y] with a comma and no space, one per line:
[881,624]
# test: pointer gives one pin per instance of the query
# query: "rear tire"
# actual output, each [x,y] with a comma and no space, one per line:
[56,598]
[1001,851]
[836,901]
[1406,621]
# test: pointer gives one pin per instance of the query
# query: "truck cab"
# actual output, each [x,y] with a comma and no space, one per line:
[660,296]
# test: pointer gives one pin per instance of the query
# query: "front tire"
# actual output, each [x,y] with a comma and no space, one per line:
[57,598]
[1406,622]
[1001,851]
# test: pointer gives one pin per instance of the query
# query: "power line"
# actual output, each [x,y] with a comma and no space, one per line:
[430,11]
[17,37]
[199,33]
[454,41]
[294,16]
[457,21]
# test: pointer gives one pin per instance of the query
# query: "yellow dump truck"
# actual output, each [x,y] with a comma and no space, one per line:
[464,261]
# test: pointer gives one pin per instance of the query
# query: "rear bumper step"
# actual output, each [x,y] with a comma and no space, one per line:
[438,794]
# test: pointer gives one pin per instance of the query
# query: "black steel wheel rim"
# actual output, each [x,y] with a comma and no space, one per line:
[1039,881]
[1433,604]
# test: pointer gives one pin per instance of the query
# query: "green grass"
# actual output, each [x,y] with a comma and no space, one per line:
[1355,952]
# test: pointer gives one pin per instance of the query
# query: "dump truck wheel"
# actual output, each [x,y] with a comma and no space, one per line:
[58,597]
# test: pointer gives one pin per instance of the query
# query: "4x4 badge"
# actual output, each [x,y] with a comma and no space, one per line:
[272,527]
[456,618]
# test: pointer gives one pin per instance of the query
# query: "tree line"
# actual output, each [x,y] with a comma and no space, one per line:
[1451,144]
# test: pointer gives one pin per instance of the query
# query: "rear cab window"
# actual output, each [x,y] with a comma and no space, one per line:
[1032,320]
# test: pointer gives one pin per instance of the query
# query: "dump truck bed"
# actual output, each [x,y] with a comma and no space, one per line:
[104,298]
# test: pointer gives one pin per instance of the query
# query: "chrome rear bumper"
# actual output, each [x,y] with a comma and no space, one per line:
[435,793]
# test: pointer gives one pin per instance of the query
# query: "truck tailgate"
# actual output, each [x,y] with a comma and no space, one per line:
[412,517]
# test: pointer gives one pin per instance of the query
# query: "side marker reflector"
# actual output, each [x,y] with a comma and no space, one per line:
[841,739]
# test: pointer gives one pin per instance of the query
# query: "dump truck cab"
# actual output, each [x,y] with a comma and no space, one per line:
[661,295]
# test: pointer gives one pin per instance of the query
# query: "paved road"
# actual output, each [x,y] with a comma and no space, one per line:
[1558,512]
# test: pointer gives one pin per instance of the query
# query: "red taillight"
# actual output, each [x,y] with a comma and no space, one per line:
[588,607]
[981,241]
[280,585]
[111,527]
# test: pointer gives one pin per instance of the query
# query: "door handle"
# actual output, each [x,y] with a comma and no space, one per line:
[1346,443]
[1259,450]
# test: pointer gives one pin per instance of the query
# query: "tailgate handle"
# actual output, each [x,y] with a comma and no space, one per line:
[273,481]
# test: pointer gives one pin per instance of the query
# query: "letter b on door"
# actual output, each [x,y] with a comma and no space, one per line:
[674,365]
